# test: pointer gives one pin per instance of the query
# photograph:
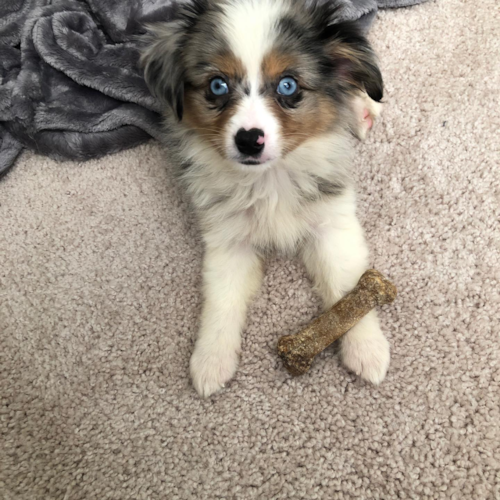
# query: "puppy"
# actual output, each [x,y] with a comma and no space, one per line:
[260,99]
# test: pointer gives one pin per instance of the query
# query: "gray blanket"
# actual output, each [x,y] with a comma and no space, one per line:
[70,85]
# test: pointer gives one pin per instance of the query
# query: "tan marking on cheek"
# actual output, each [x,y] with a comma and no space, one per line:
[312,117]
[276,63]
[209,124]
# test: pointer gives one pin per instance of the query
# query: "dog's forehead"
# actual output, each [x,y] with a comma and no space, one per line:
[250,31]
[253,42]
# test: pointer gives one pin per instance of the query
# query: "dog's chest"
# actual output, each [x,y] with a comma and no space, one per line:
[275,213]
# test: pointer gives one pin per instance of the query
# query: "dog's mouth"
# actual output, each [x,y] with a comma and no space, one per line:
[251,162]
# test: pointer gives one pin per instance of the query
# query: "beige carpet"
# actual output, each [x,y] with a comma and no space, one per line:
[99,276]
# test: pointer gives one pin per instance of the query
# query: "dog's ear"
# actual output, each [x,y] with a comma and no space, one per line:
[352,58]
[163,65]
[162,58]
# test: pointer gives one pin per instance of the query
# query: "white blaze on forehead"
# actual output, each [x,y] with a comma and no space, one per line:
[249,28]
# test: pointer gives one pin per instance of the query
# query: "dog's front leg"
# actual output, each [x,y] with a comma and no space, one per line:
[336,258]
[231,276]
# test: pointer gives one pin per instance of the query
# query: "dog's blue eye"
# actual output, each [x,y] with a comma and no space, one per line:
[219,87]
[287,86]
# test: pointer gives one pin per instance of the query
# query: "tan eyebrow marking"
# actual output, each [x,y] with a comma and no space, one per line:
[230,65]
[275,63]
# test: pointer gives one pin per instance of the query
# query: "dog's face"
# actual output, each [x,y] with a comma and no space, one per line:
[256,78]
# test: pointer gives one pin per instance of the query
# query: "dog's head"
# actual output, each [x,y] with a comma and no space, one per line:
[256,78]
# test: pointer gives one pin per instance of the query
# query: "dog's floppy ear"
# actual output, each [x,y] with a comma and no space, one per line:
[163,66]
[162,58]
[352,58]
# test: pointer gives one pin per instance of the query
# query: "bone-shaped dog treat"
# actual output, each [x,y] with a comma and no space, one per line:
[298,351]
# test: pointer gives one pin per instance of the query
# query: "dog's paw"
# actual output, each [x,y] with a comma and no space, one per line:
[211,366]
[366,111]
[367,354]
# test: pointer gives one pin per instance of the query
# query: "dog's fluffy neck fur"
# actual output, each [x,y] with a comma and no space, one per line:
[272,206]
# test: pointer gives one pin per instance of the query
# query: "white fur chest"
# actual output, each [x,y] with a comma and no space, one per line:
[275,215]
[273,208]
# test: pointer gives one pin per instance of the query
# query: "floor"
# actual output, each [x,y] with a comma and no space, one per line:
[99,299]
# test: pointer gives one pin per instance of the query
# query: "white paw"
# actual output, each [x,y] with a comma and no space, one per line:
[366,111]
[367,355]
[211,366]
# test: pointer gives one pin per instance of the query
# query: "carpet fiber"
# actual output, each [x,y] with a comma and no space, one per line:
[99,299]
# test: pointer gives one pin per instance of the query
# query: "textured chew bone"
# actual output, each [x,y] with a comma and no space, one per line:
[298,351]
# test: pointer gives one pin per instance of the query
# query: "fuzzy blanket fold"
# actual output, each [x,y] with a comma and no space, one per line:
[70,86]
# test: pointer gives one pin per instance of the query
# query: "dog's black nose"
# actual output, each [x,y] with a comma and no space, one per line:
[250,142]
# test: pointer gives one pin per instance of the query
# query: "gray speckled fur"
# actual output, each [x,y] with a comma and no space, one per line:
[70,86]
